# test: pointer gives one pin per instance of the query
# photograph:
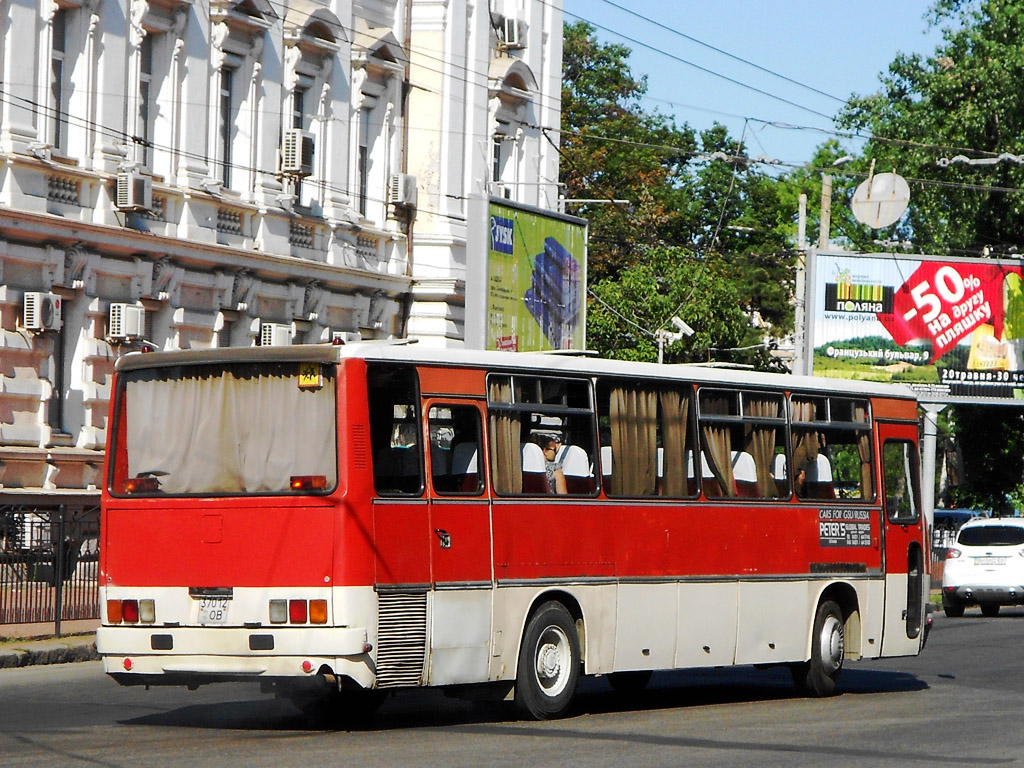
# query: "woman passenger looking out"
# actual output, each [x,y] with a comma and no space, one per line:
[552,467]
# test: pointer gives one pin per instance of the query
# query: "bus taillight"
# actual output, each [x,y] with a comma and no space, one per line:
[297,611]
[131,611]
[308,482]
[317,611]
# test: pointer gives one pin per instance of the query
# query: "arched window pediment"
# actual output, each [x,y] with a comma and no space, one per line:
[511,80]
[243,18]
[314,30]
[378,51]
[511,85]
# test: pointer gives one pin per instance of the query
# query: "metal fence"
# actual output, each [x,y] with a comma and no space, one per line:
[49,560]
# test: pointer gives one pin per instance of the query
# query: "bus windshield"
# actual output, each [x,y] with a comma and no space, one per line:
[226,429]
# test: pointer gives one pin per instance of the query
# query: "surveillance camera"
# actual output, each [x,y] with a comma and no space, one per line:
[682,327]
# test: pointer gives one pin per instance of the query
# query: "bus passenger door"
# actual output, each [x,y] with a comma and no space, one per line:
[460,547]
[400,515]
[906,571]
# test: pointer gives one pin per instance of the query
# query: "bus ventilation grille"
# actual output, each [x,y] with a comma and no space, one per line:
[401,640]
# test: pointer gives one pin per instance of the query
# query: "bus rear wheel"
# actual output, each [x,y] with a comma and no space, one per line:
[818,677]
[549,664]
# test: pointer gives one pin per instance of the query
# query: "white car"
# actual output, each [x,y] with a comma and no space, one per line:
[985,566]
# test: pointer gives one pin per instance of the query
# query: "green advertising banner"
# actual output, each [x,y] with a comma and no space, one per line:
[952,329]
[536,280]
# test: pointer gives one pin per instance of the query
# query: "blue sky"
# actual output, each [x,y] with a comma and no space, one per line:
[836,47]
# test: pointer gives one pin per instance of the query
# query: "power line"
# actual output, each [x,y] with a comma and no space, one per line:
[706,70]
[725,53]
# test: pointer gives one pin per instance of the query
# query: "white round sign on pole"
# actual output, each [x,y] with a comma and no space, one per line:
[881,200]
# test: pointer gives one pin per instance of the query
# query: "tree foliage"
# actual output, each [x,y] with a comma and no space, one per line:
[992,439]
[697,208]
[628,309]
[614,150]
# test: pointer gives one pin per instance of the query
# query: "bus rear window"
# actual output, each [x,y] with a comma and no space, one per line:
[220,430]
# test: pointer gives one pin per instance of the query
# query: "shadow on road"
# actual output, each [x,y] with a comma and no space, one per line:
[428,708]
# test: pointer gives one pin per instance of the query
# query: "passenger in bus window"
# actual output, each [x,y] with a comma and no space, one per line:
[552,467]
[800,481]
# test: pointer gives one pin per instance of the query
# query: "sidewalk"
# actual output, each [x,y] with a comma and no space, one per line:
[77,644]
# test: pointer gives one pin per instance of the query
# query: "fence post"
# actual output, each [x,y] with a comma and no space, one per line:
[58,568]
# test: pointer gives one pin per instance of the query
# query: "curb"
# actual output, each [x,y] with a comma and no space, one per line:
[57,654]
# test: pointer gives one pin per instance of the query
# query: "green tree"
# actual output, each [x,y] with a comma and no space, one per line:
[993,457]
[627,310]
[692,198]
[613,150]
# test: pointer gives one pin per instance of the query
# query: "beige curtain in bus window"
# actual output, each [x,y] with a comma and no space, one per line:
[506,458]
[805,442]
[718,439]
[221,434]
[761,443]
[675,408]
[634,415]
[867,489]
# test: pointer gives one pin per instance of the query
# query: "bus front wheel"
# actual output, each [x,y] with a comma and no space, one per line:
[549,664]
[819,676]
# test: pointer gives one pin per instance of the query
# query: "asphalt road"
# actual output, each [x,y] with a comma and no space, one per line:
[960,703]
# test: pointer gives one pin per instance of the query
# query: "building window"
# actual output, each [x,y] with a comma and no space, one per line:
[363,159]
[227,76]
[144,129]
[58,89]
[298,121]
[499,163]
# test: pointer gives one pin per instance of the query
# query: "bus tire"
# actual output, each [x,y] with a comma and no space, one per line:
[818,677]
[549,664]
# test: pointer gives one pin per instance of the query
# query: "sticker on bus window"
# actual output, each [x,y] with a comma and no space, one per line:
[310,376]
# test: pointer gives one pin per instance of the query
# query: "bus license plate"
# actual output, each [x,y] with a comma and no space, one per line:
[213,610]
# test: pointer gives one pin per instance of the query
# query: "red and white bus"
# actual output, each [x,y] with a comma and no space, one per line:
[363,518]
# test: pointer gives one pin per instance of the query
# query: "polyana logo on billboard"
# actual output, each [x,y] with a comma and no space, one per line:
[947,328]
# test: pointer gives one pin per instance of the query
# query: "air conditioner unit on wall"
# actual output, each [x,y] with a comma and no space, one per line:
[511,33]
[134,191]
[126,321]
[297,152]
[402,190]
[275,334]
[42,312]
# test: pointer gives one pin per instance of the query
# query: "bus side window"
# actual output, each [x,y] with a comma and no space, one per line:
[647,443]
[455,465]
[395,430]
[526,411]
[832,456]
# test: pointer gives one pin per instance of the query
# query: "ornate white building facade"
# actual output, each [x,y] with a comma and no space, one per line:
[203,173]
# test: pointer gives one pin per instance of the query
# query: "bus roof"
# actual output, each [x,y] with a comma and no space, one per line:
[508,362]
